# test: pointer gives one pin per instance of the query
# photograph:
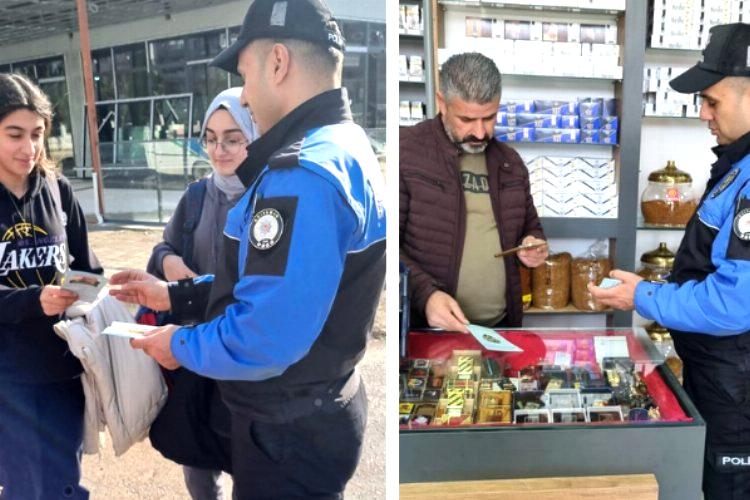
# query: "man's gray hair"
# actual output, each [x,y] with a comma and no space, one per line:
[471,77]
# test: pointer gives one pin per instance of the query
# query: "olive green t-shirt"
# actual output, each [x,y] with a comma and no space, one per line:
[481,277]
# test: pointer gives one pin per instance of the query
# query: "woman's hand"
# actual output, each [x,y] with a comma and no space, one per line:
[175,269]
[55,300]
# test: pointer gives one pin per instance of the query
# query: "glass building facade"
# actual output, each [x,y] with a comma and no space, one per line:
[151,98]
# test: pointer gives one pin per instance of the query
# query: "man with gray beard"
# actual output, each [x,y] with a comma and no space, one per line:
[463,198]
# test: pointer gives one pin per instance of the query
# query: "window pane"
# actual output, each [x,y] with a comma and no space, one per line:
[27,68]
[50,68]
[168,66]
[206,82]
[130,68]
[60,142]
[133,130]
[355,33]
[104,83]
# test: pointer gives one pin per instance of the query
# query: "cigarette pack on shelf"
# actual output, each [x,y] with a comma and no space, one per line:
[416,68]
[537,120]
[517,107]
[412,19]
[417,111]
[404,111]
[514,134]
[685,24]
[573,187]
[403,67]
[558,135]
[549,107]
[660,100]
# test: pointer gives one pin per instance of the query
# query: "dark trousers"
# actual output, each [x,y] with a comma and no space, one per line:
[310,457]
[720,388]
[41,432]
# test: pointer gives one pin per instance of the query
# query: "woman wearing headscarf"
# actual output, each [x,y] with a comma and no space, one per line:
[193,428]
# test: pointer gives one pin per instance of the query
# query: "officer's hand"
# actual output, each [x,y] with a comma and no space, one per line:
[442,311]
[533,257]
[621,296]
[156,344]
[55,300]
[139,287]
[175,269]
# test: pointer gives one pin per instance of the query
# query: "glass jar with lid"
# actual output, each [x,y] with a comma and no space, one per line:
[657,264]
[668,200]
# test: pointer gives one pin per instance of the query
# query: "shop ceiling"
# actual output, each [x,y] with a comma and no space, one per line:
[22,20]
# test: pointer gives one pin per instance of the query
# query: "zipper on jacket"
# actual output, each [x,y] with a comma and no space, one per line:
[423,177]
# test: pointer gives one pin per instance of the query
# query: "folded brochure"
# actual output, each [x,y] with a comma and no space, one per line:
[491,340]
[86,285]
[129,330]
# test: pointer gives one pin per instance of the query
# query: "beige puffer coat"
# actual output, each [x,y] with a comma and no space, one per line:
[124,387]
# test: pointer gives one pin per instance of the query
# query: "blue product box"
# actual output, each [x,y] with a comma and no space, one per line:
[589,136]
[609,123]
[517,107]
[608,137]
[590,107]
[537,120]
[514,134]
[503,119]
[562,135]
[569,121]
[591,122]
[556,107]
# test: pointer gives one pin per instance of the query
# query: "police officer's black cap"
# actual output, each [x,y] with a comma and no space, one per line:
[726,54]
[309,20]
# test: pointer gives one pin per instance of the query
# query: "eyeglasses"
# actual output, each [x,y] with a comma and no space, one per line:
[231,146]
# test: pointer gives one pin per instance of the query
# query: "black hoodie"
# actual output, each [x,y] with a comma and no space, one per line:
[34,246]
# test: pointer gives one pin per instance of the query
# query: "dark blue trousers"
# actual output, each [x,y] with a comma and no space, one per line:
[41,432]
[311,457]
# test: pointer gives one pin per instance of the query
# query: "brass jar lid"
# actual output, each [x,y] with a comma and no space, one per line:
[670,175]
[657,332]
[661,257]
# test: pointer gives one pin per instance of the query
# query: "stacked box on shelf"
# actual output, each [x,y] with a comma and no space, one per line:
[658,97]
[573,4]
[411,112]
[685,24]
[410,68]
[589,120]
[573,187]
[544,47]
[410,19]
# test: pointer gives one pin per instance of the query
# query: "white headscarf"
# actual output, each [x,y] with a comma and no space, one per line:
[229,99]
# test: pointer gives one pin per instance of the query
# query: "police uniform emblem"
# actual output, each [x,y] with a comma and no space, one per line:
[742,224]
[726,182]
[266,228]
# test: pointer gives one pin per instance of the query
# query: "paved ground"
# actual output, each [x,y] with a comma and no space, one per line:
[143,473]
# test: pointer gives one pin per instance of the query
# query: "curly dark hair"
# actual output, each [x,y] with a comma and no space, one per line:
[18,92]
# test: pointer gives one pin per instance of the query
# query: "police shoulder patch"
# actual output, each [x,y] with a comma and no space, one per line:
[266,228]
[728,180]
[741,224]
[739,238]
[270,236]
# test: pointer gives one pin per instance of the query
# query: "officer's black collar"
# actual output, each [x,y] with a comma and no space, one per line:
[328,108]
[735,151]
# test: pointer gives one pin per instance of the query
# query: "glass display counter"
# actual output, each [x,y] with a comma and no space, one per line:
[571,402]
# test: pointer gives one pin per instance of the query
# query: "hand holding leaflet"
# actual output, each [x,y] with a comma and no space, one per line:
[491,340]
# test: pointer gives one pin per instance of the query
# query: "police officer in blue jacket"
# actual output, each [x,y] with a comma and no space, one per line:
[706,304]
[285,320]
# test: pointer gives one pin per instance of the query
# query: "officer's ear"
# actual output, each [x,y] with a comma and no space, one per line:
[280,58]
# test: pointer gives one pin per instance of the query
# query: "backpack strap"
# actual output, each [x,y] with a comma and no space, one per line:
[54,188]
[196,193]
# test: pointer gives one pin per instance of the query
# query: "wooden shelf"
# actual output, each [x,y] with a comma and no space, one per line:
[569,309]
